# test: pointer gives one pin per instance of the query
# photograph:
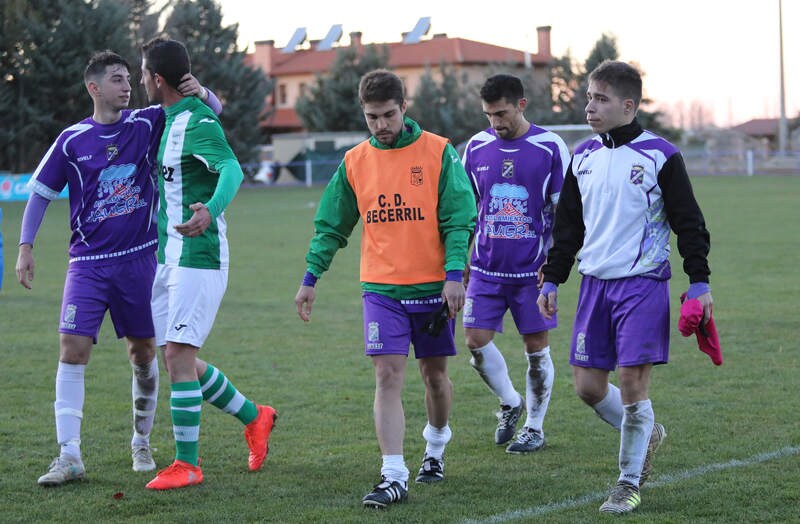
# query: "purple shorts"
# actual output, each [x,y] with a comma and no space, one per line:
[487,302]
[390,326]
[123,289]
[622,322]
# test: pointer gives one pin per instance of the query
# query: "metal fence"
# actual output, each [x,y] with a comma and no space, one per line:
[699,163]
[742,163]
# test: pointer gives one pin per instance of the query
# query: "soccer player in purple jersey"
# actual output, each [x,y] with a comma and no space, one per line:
[623,192]
[516,169]
[108,162]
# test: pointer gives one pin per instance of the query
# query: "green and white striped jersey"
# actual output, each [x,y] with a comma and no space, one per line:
[192,157]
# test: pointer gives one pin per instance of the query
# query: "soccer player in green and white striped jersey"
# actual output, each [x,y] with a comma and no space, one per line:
[199,176]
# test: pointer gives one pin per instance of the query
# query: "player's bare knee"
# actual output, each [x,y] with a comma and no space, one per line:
[535,342]
[74,349]
[634,382]
[591,391]
[588,396]
[389,377]
[141,351]
[477,338]
[437,382]
[473,344]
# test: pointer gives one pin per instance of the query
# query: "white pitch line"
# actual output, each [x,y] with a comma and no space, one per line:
[664,480]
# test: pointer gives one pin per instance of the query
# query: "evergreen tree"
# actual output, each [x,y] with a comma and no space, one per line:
[45,46]
[568,99]
[331,102]
[570,83]
[450,107]
[536,86]
[570,80]
[143,23]
[217,63]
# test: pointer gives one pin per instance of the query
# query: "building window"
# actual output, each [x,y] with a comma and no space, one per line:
[281,95]
[303,88]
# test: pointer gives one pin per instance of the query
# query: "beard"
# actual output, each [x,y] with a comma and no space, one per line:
[386,138]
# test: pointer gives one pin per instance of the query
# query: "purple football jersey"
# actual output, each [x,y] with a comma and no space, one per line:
[110,171]
[516,184]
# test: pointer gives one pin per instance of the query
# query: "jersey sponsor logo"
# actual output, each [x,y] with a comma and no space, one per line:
[68,322]
[416,176]
[481,169]
[637,174]
[84,158]
[112,152]
[582,172]
[580,348]
[507,217]
[168,172]
[117,193]
[393,210]
[507,170]
[206,121]
[374,336]
[180,326]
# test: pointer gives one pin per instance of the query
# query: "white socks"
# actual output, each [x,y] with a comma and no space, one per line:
[610,408]
[144,392]
[491,366]
[437,439]
[394,468]
[637,424]
[69,407]
[539,387]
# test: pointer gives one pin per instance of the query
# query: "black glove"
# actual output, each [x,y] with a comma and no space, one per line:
[438,320]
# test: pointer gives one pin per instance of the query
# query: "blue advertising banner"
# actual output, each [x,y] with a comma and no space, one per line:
[15,187]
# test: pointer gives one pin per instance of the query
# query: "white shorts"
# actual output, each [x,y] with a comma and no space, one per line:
[185,303]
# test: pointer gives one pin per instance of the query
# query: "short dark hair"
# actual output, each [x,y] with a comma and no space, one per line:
[168,58]
[502,86]
[380,85]
[623,78]
[100,60]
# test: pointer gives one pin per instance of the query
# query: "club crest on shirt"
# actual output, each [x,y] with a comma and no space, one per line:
[416,176]
[508,169]
[112,152]
[637,174]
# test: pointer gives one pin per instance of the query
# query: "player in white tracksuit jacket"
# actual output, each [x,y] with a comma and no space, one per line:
[623,192]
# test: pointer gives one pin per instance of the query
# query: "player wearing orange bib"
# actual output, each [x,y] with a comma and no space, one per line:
[410,190]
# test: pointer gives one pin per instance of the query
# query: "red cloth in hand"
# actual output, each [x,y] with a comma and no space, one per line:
[691,323]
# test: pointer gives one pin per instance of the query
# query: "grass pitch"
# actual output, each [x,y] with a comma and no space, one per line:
[732,451]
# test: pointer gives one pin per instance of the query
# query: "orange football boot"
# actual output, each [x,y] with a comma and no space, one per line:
[257,436]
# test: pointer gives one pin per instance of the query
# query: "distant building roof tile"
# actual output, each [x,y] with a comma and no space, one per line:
[284,118]
[759,127]
[426,53]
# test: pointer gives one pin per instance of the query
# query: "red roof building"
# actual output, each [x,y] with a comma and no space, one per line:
[759,128]
[293,69]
